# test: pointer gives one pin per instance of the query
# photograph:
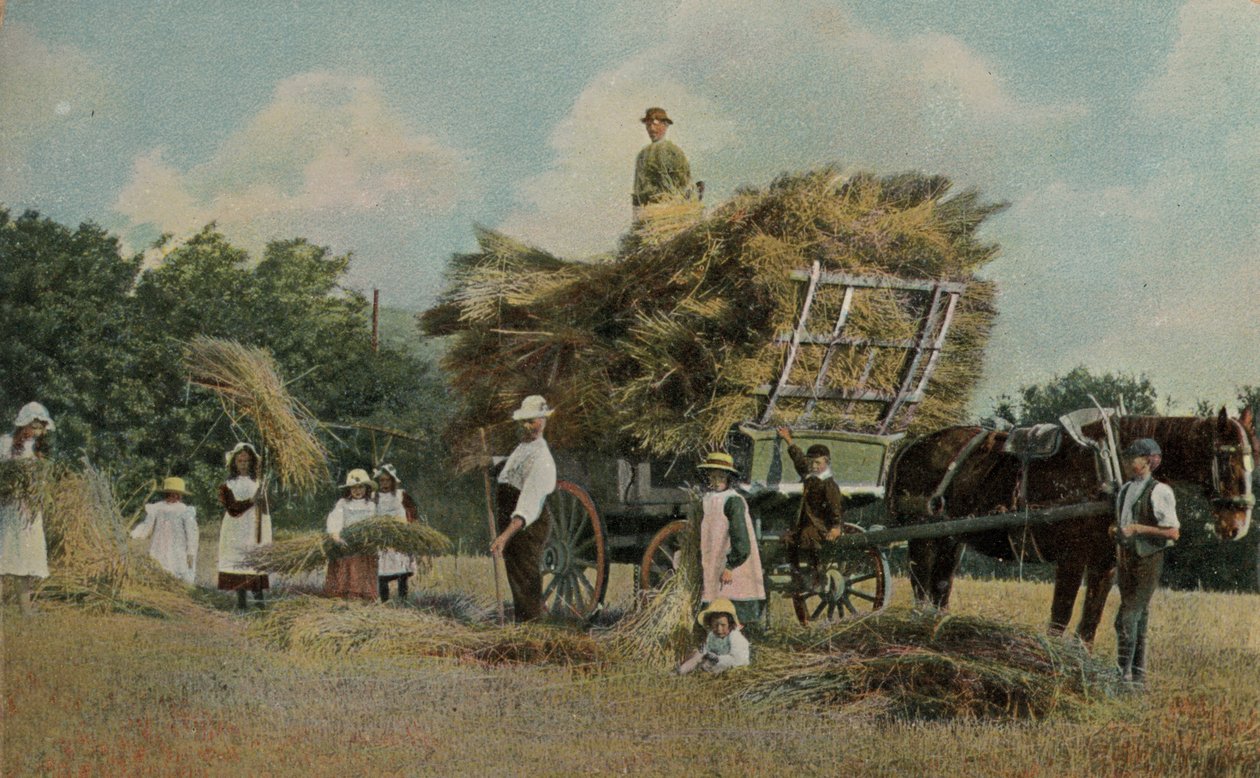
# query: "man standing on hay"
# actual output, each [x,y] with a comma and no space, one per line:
[528,476]
[1146,525]
[661,170]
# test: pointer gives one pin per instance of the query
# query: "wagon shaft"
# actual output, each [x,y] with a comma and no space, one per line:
[943,529]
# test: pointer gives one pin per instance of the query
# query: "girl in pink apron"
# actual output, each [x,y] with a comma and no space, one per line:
[728,544]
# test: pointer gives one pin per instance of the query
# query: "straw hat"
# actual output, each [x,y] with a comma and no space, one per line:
[358,477]
[656,113]
[174,484]
[718,460]
[719,605]
[386,469]
[532,407]
[33,412]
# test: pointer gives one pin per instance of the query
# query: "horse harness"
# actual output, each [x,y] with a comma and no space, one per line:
[1221,455]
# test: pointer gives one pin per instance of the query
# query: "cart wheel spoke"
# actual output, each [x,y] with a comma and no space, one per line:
[584,563]
[860,578]
[585,583]
[822,604]
[862,595]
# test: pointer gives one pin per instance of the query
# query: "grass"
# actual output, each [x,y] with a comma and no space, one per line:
[192,694]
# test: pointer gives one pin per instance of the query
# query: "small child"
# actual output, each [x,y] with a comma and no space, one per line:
[724,647]
[352,576]
[393,500]
[821,507]
[173,526]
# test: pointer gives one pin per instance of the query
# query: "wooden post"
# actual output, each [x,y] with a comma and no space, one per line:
[376,320]
[494,561]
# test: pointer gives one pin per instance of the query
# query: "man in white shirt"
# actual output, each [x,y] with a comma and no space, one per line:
[1146,525]
[528,476]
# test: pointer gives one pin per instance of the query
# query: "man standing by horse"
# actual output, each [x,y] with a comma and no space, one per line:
[1146,525]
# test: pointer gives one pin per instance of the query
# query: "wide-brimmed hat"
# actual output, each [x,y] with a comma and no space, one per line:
[718,460]
[174,484]
[719,605]
[358,477]
[818,450]
[1143,447]
[386,469]
[33,412]
[533,407]
[656,113]
[238,448]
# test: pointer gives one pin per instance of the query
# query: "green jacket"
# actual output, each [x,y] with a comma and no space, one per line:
[741,544]
[660,170]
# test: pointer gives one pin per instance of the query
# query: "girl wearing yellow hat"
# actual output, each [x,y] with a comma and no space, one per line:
[724,647]
[729,557]
[172,525]
[352,576]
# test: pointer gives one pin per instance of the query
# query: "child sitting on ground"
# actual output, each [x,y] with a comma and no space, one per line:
[172,523]
[820,512]
[724,647]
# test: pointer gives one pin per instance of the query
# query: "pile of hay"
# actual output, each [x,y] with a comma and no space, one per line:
[90,563]
[248,384]
[329,628]
[661,347]
[311,551]
[920,665]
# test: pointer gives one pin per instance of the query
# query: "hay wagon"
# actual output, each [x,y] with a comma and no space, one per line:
[634,509]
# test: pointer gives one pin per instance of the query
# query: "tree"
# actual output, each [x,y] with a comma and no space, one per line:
[1045,403]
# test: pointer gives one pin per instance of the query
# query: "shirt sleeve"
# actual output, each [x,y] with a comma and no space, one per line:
[739,652]
[145,528]
[798,460]
[336,520]
[1164,503]
[741,544]
[190,530]
[540,481]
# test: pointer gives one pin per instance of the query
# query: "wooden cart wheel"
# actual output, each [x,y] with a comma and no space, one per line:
[574,562]
[854,581]
[660,560]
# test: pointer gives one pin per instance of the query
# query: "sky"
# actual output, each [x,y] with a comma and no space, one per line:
[1124,136]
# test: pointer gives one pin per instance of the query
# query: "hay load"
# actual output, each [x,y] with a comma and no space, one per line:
[663,347]
[310,551]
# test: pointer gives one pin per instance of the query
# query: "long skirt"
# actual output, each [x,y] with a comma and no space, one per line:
[352,577]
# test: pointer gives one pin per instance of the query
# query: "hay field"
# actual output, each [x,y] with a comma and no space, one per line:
[129,695]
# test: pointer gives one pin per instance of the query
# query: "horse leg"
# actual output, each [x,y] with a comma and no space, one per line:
[1067,580]
[921,556]
[1100,573]
[948,554]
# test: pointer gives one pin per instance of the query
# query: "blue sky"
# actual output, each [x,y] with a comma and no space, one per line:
[1124,135]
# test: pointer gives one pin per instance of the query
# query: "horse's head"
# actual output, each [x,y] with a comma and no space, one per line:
[1233,442]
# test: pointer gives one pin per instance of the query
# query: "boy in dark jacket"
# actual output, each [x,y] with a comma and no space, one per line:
[821,507]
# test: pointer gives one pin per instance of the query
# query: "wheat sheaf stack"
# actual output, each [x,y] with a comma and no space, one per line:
[658,347]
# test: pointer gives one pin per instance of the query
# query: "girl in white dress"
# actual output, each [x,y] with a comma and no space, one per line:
[392,500]
[23,550]
[246,525]
[172,524]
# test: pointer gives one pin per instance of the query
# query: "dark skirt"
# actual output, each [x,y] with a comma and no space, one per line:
[352,577]
[244,582]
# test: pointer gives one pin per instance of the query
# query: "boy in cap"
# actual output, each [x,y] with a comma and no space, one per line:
[821,507]
[661,169]
[1146,525]
[724,647]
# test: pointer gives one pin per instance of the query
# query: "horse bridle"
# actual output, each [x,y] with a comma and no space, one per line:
[1223,453]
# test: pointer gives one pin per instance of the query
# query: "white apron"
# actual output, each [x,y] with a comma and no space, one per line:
[715,544]
[237,535]
[23,550]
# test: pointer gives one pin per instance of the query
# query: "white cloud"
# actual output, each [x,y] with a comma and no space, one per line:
[327,159]
[756,91]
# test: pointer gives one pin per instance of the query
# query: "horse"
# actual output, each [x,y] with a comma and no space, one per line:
[978,479]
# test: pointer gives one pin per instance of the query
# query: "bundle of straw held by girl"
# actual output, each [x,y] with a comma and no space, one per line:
[310,551]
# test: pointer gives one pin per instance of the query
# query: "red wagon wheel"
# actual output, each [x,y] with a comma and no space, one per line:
[575,561]
[660,560]
[853,581]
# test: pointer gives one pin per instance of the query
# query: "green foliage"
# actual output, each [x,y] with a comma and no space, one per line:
[1045,403]
[98,340]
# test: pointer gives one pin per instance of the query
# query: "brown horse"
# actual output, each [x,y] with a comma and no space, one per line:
[1214,454]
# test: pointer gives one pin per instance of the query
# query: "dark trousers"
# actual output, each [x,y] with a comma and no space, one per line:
[1137,578]
[523,555]
[401,578]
